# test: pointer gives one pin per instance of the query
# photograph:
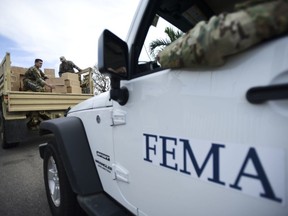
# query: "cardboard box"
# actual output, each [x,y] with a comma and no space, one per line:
[22,76]
[70,76]
[60,89]
[20,84]
[56,81]
[17,82]
[15,86]
[74,89]
[50,73]
[17,75]
[18,70]
[69,82]
[14,77]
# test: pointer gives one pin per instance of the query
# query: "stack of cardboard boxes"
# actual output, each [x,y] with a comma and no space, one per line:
[50,73]
[17,76]
[59,83]
[72,82]
[68,83]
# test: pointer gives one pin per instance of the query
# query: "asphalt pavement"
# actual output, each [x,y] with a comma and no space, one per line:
[22,189]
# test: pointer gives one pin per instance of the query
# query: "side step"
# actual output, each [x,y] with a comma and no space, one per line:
[102,205]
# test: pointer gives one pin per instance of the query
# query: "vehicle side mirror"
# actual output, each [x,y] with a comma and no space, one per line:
[112,55]
[113,59]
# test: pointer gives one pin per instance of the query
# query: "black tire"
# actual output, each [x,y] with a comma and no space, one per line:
[63,200]
[2,134]
[3,141]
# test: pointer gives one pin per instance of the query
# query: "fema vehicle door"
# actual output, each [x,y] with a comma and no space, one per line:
[186,137]
[98,126]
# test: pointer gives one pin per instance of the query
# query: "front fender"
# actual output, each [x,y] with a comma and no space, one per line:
[74,150]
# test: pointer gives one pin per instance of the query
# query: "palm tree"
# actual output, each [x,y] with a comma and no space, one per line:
[159,44]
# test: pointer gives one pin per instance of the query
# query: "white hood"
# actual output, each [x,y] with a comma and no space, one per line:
[97,101]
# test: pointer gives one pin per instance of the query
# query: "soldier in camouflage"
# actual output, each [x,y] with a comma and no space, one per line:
[67,66]
[208,44]
[34,79]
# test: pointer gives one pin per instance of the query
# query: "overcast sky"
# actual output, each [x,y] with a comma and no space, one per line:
[48,29]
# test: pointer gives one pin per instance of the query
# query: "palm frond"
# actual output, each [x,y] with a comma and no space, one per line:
[159,44]
[172,34]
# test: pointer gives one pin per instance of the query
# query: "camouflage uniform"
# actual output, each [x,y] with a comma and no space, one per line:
[34,80]
[67,66]
[209,43]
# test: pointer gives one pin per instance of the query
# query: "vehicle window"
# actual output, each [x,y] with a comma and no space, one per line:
[173,19]
[160,34]
[171,22]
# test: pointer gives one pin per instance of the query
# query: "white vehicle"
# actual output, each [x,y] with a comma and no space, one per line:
[206,141]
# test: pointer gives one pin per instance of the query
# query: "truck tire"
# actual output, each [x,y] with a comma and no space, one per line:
[62,200]
[3,140]
[2,134]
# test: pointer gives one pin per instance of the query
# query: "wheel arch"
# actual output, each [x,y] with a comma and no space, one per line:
[73,148]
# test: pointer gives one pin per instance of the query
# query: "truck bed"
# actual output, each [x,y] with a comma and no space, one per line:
[19,101]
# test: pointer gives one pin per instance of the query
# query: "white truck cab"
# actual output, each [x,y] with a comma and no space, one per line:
[185,141]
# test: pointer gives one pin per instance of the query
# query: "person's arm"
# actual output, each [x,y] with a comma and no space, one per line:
[43,75]
[38,77]
[49,85]
[75,66]
[46,84]
[60,69]
[208,43]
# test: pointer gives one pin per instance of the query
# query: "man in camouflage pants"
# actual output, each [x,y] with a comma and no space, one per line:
[208,44]
[34,79]
[67,66]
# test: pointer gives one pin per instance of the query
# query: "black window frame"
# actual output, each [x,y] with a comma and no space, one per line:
[151,10]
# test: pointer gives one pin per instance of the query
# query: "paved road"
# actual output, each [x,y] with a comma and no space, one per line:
[21,182]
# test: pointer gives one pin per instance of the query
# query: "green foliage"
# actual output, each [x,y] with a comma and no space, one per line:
[172,34]
[159,44]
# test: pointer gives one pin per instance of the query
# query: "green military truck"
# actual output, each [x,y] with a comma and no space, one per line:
[23,111]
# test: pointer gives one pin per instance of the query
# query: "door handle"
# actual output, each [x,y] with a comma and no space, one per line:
[261,94]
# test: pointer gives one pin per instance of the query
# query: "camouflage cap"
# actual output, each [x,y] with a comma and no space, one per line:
[62,58]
